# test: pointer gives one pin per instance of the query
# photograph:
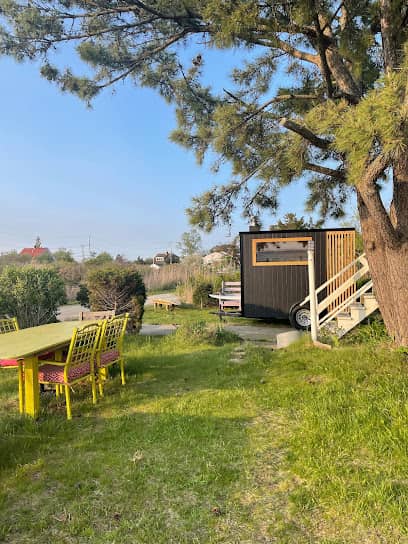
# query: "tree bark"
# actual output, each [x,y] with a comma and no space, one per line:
[399,205]
[389,272]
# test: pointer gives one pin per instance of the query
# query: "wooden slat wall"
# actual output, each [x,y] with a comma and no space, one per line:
[340,251]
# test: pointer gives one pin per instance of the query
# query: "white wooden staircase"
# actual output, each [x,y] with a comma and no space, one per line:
[346,306]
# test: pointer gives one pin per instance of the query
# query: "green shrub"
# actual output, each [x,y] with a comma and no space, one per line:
[31,294]
[83,295]
[371,332]
[118,288]
[201,294]
[201,332]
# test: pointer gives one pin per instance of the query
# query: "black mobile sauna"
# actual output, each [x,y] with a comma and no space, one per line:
[274,271]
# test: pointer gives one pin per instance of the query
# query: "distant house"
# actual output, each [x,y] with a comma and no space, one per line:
[217,257]
[35,252]
[160,259]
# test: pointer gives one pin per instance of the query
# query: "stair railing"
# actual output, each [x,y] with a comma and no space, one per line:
[331,299]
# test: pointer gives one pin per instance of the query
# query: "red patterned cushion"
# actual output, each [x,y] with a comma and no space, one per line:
[109,357]
[55,374]
[8,362]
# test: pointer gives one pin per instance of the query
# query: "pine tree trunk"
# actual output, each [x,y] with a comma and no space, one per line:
[389,262]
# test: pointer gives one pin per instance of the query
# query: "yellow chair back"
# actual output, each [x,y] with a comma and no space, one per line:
[8,324]
[83,346]
[113,332]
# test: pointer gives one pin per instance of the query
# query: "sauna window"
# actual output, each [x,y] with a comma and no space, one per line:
[275,252]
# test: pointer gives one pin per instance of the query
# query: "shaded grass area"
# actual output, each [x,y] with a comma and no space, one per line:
[188,314]
[295,446]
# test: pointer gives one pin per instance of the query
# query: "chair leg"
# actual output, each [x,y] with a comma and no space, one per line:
[57,390]
[20,387]
[100,382]
[68,401]
[93,385]
[122,370]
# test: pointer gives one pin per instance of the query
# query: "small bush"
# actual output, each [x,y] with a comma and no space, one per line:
[118,288]
[31,294]
[201,332]
[83,295]
[372,332]
[201,294]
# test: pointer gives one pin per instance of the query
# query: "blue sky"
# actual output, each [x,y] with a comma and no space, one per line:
[110,173]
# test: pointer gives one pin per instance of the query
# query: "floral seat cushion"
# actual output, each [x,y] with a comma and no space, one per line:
[8,362]
[109,357]
[55,374]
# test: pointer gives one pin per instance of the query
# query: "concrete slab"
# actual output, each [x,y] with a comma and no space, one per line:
[263,334]
[285,339]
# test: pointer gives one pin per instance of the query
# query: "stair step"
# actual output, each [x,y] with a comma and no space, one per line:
[346,317]
[358,312]
[370,302]
[345,323]
[342,315]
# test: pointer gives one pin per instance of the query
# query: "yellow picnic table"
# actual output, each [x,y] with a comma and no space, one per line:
[28,344]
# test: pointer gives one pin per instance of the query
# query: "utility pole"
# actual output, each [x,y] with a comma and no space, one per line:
[171,252]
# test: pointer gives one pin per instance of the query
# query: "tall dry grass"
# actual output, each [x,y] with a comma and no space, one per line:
[183,277]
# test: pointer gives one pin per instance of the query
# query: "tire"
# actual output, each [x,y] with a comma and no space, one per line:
[299,317]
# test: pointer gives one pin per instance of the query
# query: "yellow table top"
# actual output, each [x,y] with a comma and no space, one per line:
[36,340]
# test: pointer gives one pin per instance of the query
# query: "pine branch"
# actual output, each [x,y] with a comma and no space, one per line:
[338,174]
[275,100]
[322,51]
[388,35]
[305,133]
[297,53]
[143,57]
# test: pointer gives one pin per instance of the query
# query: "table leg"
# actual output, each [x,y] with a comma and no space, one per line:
[31,387]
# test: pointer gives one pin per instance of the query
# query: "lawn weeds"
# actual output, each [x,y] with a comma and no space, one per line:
[295,446]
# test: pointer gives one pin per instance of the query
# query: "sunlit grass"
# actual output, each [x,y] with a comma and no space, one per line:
[295,446]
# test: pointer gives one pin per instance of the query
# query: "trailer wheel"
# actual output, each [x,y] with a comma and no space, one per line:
[299,317]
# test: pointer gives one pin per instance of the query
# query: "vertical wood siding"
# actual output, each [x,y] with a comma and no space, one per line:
[340,251]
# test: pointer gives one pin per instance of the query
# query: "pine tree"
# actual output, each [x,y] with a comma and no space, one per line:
[340,121]
[290,221]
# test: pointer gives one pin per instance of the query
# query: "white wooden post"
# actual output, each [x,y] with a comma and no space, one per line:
[312,290]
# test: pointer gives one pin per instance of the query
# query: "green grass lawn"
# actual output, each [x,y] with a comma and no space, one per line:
[296,446]
[184,314]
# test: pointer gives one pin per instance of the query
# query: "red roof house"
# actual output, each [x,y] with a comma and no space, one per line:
[34,252]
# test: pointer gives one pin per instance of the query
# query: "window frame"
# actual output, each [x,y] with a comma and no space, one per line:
[256,241]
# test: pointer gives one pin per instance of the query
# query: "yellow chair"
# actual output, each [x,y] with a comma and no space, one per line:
[79,365]
[11,325]
[110,351]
